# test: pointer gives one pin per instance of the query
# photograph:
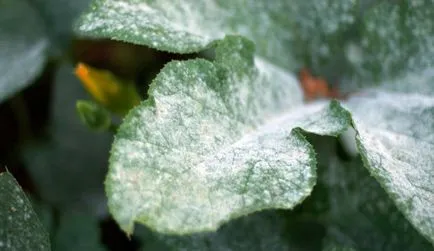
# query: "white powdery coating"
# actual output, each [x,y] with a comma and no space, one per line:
[212,149]
[396,132]
[421,82]
[267,168]
[20,227]
[287,88]
[263,94]
[391,46]
[189,26]
[174,25]
[197,19]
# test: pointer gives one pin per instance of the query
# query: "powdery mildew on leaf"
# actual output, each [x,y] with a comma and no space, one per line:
[20,228]
[396,140]
[355,209]
[278,27]
[214,144]
[398,37]
[23,44]
[368,41]
[393,39]
[419,81]
[177,26]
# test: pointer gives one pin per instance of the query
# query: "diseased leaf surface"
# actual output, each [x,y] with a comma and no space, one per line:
[396,39]
[23,44]
[199,107]
[20,228]
[278,27]
[164,24]
[355,209]
[207,148]
[368,41]
[396,140]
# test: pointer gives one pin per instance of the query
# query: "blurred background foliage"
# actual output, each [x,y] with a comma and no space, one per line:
[61,164]
[57,160]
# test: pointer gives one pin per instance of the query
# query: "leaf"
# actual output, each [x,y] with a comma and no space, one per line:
[58,17]
[29,31]
[278,27]
[370,44]
[368,41]
[354,208]
[380,119]
[260,231]
[272,230]
[396,39]
[163,24]
[395,139]
[20,228]
[77,231]
[23,44]
[231,159]
[94,116]
[72,159]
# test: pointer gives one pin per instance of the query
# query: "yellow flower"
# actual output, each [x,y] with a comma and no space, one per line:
[117,95]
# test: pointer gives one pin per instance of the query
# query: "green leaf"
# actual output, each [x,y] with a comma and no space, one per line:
[395,139]
[77,231]
[23,45]
[190,26]
[20,228]
[396,38]
[369,44]
[58,16]
[275,230]
[367,41]
[284,31]
[354,208]
[45,215]
[93,115]
[205,148]
[29,31]
[278,27]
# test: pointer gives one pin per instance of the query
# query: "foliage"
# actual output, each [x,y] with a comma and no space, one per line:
[20,227]
[226,153]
